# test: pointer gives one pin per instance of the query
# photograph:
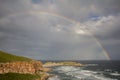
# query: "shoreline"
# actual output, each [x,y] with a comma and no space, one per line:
[64,63]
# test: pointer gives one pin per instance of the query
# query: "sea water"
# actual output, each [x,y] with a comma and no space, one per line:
[94,70]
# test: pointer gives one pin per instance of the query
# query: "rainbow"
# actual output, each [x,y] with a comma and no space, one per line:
[63,17]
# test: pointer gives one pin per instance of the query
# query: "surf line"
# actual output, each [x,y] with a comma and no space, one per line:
[34,12]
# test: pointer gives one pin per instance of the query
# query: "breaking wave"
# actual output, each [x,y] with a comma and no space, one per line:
[54,78]
[78,73]
[115,74]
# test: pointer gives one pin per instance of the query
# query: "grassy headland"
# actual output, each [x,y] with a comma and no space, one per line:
[17,76]
[6,57]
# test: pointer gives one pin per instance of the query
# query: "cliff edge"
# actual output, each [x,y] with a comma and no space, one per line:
[12,65]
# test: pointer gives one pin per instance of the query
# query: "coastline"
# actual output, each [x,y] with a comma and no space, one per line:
[63,63]
[48,66]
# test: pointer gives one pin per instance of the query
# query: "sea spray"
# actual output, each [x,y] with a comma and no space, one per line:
[100,71]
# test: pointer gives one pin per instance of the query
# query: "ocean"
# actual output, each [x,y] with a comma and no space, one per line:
[95,70]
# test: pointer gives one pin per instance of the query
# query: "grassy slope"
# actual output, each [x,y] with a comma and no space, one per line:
[16,76]
[6,57]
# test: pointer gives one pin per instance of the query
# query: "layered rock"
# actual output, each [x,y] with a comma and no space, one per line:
[21,67]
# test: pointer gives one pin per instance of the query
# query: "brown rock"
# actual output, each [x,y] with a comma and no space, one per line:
[21,67]
[47,69]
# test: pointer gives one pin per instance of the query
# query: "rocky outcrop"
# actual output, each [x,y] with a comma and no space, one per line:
[44,76]
[21,67]
[52,64]
[47,69]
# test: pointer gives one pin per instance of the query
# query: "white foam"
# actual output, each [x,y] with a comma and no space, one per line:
[67,68]
[78,73]
[115,74]
[54,78]
[91,64]
[108,70]
[103,78]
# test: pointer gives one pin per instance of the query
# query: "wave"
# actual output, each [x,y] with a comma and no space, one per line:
[54,78]
[108,70]
[80,74]
[66,68]
[91,64]
[115,74]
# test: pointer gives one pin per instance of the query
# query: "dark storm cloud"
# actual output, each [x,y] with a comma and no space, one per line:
[107,32]
[82,9]
[36,34]
[8,7]
[50,37]
[108,6]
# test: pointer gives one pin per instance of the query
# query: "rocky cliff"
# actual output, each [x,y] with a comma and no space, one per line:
[21,67]
[14,67]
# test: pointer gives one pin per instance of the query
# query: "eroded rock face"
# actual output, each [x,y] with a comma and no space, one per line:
[21,67]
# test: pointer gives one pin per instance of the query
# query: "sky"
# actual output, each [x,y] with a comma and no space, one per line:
[61,29]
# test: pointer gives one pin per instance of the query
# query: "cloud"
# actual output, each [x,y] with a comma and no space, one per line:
[9,7]
[106,29]
[45,36]
[37,34]
[37,1]
[81,10]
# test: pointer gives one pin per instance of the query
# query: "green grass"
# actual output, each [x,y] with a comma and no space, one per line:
[17,76]
[6,57]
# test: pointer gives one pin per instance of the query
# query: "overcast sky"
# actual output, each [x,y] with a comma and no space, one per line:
[61,29]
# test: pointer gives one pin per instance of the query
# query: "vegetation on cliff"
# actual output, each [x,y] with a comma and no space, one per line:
[6,57]
[14,67]
[17,76]
[64,63]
